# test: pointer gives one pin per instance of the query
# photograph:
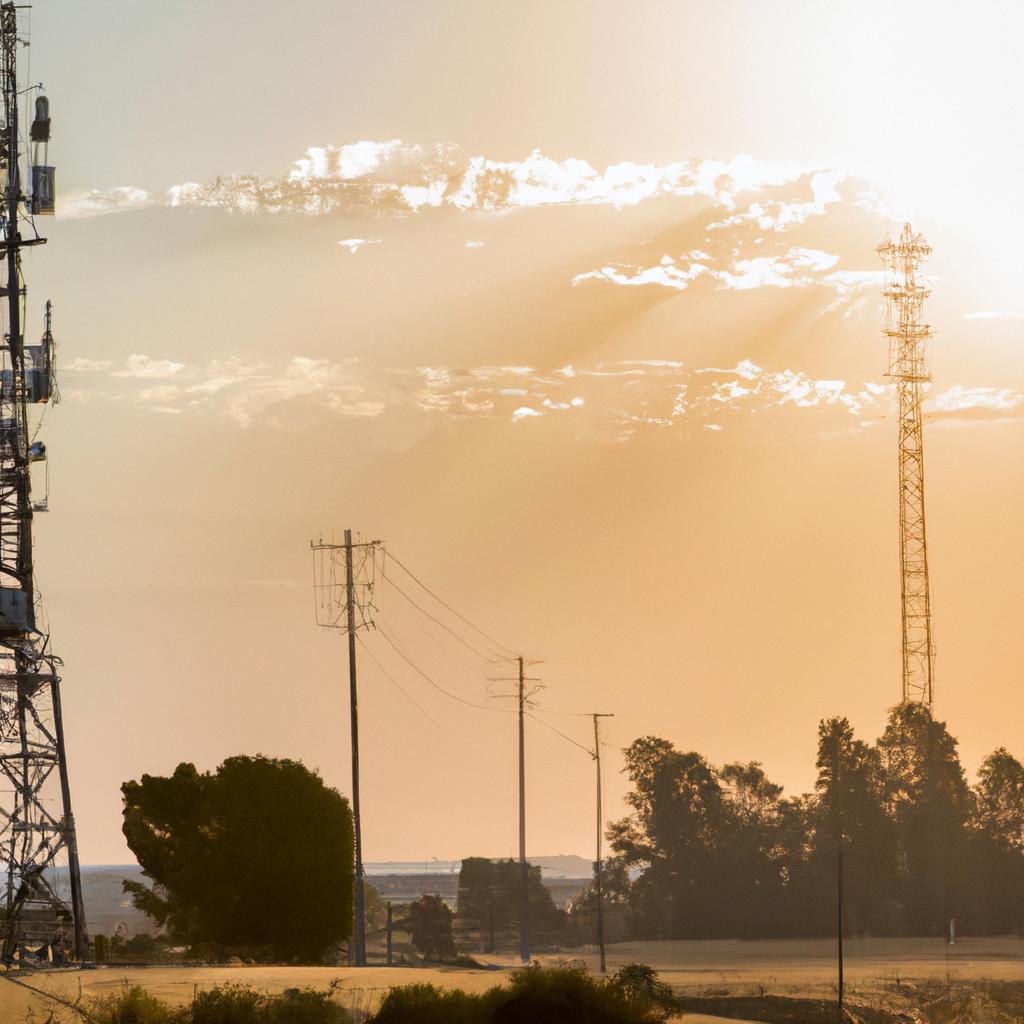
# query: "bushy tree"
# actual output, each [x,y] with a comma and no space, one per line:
[429,922]
[492,889]
[719,851]
[258,854]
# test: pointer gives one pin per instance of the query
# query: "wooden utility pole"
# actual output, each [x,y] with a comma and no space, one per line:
[359,930]
[524,868]
[600,830]
[389,933]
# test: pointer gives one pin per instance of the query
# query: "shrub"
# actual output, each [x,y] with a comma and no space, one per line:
[428,1004]
[570,997]
[133,1006]
[536,997]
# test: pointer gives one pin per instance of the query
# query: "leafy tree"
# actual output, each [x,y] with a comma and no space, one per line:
[930,804]
[257,854]
[674,835]
[851,793]
[489,887]
[429,921]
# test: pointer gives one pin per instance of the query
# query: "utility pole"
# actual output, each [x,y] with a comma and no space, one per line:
[837,810]
[522,698]
[524,868]
[337,607]
[359,932]
[600,830]
[390,923]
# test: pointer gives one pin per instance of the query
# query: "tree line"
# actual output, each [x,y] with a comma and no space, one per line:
[716,852]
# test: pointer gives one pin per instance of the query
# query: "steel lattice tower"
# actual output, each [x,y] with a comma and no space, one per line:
[42,905]
[906,293]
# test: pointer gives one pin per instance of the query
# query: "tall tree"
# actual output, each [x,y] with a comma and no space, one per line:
[257,854]
[673,835]
[929,802]
[850,791]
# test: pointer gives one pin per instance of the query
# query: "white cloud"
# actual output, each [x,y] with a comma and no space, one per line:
[524,412]
[99,201]
[143,367]
[474,244]
[345,162]
[959,399]
[355,244]
[81,365]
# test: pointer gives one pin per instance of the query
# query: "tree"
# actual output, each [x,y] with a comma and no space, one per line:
[257,854]
[674,835]
[930,805]
[429,922]
[850,807]
[491,890]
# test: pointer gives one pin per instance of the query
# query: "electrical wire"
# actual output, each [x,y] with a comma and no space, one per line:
[437,686]
[568,739]
[433,618]
[387,675]
[490,639]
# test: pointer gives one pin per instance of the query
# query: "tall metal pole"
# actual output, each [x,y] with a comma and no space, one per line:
[837,810]
[359,930]
[600,830]
[524,868]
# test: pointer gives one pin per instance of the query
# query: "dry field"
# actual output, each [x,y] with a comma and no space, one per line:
[783,967]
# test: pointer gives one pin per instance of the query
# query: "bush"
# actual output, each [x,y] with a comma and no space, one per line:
[536,997]
[225,1004]
[133,1006]
[571,997]
[428,1004]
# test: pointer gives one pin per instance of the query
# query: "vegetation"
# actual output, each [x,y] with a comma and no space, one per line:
[255,857]
[429,922]
[719,852]
[227,1004]
[533,997]
[489,896]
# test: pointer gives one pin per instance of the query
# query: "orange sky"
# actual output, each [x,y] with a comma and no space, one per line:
[694,520]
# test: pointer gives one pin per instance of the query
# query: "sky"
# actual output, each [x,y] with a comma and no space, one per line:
[577,308]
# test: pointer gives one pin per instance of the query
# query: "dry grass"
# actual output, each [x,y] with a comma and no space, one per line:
[901,974]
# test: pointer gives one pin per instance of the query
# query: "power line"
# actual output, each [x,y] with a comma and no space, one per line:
[433,618]
[436,686]
[441,601]
[387,675]
[568,739]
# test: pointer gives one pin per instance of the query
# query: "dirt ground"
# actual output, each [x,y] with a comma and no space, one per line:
[778,967]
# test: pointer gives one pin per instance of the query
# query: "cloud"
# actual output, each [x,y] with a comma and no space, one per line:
[97,202]
[355,244]
[474,244]
[81,365]
[396,177]
[959,402]
[143,367]
[794,268]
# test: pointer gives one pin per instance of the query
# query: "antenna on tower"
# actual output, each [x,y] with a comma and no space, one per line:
[907,334]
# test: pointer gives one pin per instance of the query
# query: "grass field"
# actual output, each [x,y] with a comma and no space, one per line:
[782,967]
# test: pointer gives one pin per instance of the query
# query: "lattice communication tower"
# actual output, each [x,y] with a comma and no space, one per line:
[42,915]
[906,292]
